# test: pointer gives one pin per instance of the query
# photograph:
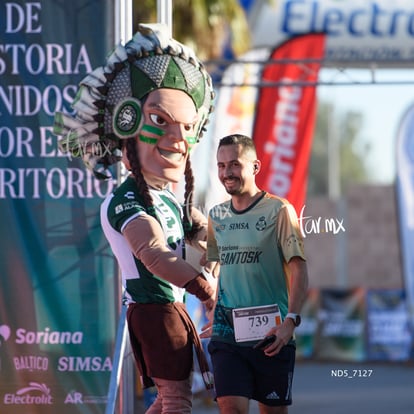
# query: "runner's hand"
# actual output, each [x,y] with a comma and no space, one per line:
[284,333]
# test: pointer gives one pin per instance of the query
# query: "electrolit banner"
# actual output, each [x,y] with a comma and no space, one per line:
[58,296]
[357,32]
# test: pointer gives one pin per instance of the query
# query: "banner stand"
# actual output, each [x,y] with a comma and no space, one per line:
[119,354]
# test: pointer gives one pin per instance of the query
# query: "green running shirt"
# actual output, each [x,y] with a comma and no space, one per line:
[253,247]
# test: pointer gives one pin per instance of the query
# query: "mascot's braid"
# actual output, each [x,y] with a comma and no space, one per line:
[190,228]
[137,174]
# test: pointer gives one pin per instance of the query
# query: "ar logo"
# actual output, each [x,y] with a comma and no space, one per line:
[74,398]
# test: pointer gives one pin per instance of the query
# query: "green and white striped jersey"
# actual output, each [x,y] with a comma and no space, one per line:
[117,211]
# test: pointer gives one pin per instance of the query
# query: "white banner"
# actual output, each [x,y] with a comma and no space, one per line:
[357,32]
[405,199]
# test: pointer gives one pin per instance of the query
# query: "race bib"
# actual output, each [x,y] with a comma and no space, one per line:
[254,322]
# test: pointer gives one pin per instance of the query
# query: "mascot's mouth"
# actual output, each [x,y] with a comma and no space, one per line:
[171,155]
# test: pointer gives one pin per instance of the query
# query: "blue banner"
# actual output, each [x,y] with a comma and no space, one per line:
[59,287]
[341,325]
[388,334]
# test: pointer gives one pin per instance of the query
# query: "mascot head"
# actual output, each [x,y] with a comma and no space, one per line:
[123,100]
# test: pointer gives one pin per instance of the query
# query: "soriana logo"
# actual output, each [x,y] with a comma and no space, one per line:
[47,336]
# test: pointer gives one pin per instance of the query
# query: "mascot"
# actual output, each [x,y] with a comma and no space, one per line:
[148,107]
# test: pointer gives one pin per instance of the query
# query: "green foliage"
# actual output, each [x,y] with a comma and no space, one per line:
[204,25]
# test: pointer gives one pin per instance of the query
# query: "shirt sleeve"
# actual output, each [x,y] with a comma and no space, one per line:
[198,218]
[288,232]
[147,242]
[120,213]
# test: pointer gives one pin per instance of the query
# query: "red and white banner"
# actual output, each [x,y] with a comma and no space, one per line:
[285,117]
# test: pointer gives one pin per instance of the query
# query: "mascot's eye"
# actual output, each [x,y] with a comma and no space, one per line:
[158,120]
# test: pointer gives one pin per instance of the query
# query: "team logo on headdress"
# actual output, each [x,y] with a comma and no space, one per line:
[127,118]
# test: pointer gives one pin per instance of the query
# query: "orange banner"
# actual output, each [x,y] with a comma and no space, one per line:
[285,117]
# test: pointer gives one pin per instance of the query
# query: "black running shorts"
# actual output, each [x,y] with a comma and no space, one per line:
[244,371]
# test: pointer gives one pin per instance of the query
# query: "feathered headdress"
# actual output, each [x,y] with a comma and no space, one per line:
[108,103]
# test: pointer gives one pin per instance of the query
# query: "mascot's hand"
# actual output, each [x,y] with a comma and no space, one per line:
[201,288]
[202,247]
[211,279]
[209,268]
[209,305]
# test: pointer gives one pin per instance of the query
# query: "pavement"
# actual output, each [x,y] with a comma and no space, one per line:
[343,388]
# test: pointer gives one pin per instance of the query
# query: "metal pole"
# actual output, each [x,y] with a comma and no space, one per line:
[123,20]
[334,183]
[164,13]
[123,32]
[334,191]
[117,361]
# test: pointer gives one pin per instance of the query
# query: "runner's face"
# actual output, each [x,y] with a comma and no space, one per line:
[168,134]
[235,170]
